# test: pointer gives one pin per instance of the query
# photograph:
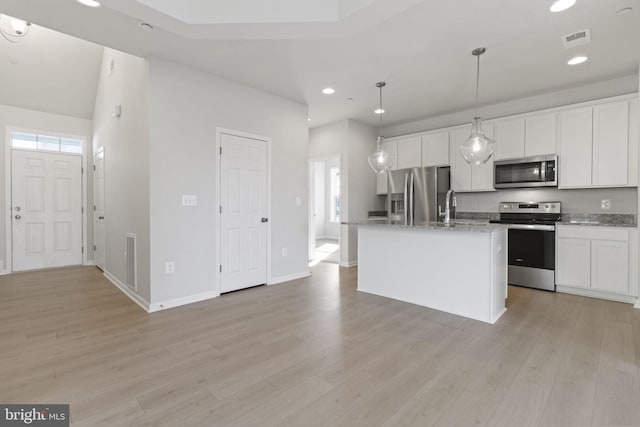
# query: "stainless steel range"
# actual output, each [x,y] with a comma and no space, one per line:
[532,232]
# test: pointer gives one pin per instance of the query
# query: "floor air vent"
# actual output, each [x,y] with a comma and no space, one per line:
[132,280]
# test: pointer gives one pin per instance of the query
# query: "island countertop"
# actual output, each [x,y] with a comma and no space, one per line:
[455,225]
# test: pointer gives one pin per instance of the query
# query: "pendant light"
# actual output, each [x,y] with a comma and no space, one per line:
[478,148]
[381,160]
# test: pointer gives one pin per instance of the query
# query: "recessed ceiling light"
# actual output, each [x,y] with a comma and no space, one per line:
[624,11]
[90,3]
[379,111]
[560,5]
[328,91]
[145,27]
[577,60]
[308,119]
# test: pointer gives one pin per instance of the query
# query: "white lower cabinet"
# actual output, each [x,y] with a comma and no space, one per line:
[573,257]
[596,261]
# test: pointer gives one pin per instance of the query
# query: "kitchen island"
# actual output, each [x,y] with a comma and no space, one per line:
[459,269]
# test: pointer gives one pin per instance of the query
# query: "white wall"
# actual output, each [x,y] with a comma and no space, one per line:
[352,142]
[186,107]
[619,86]
[126,152]
[362,181]
[22,118]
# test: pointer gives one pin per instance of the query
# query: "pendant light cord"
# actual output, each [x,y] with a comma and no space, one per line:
[477,84]
[381,112]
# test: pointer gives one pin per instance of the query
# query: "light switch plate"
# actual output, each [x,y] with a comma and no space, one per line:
[298,201]
[189,200]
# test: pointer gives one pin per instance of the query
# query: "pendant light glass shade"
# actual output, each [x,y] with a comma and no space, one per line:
[381,160]
[478,148]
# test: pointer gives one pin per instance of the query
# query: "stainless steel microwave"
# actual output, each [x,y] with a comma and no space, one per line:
[538,171]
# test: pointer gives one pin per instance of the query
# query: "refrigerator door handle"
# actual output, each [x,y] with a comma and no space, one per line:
[410,190]
[406,188]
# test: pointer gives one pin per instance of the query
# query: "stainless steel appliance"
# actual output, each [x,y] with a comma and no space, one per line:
[539,171]
[418,194]
[531,242]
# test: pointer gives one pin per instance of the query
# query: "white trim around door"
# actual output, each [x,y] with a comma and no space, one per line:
[8,185]
[217,220]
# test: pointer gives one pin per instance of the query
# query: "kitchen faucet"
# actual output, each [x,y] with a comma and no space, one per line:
[447,206]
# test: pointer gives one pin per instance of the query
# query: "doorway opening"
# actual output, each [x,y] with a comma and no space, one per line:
[325,211]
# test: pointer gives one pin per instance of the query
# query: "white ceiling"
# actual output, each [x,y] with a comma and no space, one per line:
[420,48]
[49,71]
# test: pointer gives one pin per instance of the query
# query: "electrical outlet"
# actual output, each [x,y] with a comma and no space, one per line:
[298,201]
[189,200]
[169,267]
[605,204]
[285,251]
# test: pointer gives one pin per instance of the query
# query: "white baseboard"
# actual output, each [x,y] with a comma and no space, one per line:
[4,272]
[596,294]
[637,304]
[288,278]
[349,264]
[164,305]
[127,291]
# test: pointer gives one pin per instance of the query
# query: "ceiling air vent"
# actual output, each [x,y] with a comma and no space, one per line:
[576,39]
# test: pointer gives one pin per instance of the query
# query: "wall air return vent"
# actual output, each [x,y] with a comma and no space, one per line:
[132,279]
[576,39]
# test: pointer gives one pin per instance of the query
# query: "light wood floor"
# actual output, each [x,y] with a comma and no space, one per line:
[314,352]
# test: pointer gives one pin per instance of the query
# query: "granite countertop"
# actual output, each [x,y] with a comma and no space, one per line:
[456,225]
[592,220]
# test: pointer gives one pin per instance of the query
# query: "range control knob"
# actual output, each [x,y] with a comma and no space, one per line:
[546,207]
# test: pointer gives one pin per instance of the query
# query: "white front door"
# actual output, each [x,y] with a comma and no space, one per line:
[243,226]
[46,210]
[98,210]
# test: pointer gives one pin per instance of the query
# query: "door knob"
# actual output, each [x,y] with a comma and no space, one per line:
[17,217]
[100,217]
[265,219]
[17,208]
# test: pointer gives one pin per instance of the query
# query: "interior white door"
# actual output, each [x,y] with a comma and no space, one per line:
[243,218]
[98,210]
[46,210]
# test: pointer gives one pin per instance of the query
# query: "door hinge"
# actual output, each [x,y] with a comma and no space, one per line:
[220,269]
[94,247]
[220,150]
[220,208]
[94,208]
[81,170]
[82,209]
[83,249]
[94,167]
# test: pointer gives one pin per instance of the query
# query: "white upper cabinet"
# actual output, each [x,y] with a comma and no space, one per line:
[610,144]
[576,140]
[460,170]
[526,136]
[540,134]
[510,138]
[409,152]
[599,145]
[382,183]
[435,149]
[465,177]
[391,147]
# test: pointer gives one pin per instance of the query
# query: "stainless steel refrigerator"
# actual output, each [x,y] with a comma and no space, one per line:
[417,195]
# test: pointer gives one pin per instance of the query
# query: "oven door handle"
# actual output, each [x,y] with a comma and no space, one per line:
[532,227]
